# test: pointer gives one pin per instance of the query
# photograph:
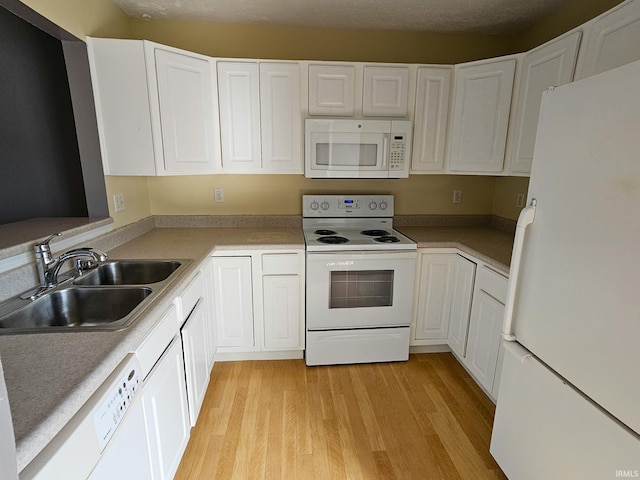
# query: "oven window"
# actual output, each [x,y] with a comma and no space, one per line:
[366,288]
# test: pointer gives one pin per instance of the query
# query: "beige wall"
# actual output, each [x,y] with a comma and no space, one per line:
[281,194]
[309,43]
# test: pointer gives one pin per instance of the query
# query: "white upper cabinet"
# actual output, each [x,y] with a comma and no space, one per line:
[551,64]
[281,118]
[119,78]
[170,126]
[239,97]
[260,117]
[481,105]
[187,120]
[332,90]
[386,91]
[611,40]
[431,114]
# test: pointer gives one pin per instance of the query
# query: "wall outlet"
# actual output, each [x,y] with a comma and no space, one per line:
[118,201]
[218,195]
[520,200]
[457,196]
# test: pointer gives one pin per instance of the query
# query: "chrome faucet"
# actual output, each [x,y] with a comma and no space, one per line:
[49,267]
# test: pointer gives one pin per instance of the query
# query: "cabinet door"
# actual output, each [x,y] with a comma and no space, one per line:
[233,301]
[119,79]
[552,64]
[386,91]
[435,287]
[166,413]
[210,313]
[463,280]
[281,120]
[611,40]
[483,344]
[186,105]
[332,90]
[239,99]
[482,100]
[196,365]
[282,322]
[431,114]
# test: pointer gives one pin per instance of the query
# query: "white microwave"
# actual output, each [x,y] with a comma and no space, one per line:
[339,148]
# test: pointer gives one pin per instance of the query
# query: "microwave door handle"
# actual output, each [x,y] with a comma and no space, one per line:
[385,150]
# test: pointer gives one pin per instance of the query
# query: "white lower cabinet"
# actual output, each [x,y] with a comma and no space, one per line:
[164,397]
[233,301]
[282,324]
[444,286]
[484,338]
[485,326]
[196,361]
[459,302]
[259,303]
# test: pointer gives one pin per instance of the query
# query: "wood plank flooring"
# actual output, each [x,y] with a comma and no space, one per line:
[421,419]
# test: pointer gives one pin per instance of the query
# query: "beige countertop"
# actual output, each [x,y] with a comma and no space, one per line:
[486,244]
[50,376]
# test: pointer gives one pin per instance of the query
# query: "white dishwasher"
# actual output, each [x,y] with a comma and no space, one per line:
[106,439]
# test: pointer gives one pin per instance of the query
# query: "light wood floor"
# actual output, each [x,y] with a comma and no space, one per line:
[423,419]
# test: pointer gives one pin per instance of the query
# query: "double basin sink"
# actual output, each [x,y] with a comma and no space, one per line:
[107,298]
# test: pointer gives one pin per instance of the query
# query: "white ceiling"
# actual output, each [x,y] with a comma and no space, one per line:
[497,17]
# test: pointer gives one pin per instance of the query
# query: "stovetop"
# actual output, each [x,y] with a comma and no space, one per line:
[348,223]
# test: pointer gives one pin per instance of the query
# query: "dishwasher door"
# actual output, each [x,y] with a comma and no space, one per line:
[126,455]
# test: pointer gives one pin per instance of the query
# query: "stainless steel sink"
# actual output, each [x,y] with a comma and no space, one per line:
[77,307]
[107,298]
[129,272]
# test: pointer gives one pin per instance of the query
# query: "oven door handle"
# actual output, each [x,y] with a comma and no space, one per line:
[364,255]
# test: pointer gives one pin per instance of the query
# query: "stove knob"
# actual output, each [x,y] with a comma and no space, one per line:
[314,205]
[373,206]
[383,205]
[325,205]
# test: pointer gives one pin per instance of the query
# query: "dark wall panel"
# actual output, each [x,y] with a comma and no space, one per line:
[40,169]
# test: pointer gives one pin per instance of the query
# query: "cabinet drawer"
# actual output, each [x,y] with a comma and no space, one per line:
[156,342]
[190,297]
[280,263]
[493,283]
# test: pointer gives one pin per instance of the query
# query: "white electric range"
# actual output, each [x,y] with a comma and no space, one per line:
[360,277]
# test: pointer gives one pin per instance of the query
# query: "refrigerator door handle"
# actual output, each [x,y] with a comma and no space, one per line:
[526,218]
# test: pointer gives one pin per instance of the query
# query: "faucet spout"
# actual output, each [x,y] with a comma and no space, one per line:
[49,267]
[51,273]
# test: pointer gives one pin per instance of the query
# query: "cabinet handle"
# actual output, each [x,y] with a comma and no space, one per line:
[526,218]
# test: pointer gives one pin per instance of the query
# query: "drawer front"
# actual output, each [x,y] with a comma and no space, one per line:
[156,342]
[280,263]
[493,283]
[190,297]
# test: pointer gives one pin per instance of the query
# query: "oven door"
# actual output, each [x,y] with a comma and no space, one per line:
[359,289]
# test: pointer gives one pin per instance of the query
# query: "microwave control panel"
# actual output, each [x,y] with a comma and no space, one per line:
[397,152]
[399,148]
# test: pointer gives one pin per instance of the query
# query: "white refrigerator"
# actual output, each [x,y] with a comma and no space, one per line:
[569,401]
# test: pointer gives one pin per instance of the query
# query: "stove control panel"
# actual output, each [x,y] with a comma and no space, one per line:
[335,206]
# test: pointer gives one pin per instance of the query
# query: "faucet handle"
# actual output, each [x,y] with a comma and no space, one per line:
[44,245]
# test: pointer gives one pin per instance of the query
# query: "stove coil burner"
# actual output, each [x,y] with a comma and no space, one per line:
[387,239]
[375,233]
[333,240]
[325,232]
